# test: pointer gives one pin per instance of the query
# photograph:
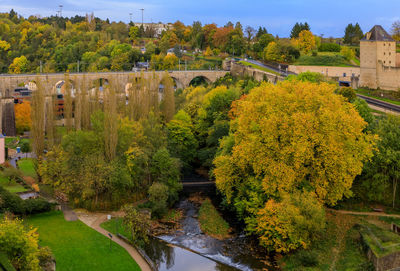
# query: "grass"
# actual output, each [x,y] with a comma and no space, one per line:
[78,247]
[116,226]
[12,186]
[339,248]
[375,94]
[211,221]
[323,59]
[27,167]
[258,67]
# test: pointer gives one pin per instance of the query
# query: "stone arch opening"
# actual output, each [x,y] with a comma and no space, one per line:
[200,80]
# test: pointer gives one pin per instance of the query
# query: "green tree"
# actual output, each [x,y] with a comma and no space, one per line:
[158,197]
[381,175]
[182,142]
[297,28]
[353,34]
[137,223]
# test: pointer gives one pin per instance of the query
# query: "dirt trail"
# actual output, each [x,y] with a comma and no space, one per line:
[365,213]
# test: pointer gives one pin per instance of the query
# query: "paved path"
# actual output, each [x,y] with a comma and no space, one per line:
[94,220]
[365,213]
[69,214]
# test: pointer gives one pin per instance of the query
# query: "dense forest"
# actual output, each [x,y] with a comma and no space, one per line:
[59,44]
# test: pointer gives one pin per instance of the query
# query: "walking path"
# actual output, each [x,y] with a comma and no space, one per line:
[365,213]
[94,220]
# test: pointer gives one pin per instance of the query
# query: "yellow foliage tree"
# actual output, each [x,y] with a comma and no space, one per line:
[19,65]
[23,121]
[305,42]
[286,138]
[170,62]
[272,52]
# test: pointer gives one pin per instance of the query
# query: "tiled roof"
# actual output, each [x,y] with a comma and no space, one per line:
[377,33]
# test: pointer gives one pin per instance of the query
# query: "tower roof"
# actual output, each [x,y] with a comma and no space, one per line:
[377,33]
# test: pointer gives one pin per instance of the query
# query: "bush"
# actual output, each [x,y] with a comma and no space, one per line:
[307,258]
[329,47]
[158,195]
[14,204]
[348,93]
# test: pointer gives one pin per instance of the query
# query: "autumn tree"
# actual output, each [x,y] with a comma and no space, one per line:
[272,52]
[20,244]
[23,121]
[305,42]
[347,53]
[19,65]
[290,137]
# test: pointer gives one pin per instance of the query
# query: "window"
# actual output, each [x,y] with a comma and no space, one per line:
[384,53]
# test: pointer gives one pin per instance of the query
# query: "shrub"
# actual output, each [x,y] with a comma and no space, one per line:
[158,193]
[307,258]
[14,204]
[348,93]
[329,47]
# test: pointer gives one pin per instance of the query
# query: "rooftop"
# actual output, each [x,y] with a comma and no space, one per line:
[377,33]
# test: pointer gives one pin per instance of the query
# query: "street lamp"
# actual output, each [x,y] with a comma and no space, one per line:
[109,234]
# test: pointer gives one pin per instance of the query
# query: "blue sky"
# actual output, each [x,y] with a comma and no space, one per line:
[328,17]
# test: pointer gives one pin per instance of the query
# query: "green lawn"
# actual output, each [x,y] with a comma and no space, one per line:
[258,67]
[27,167]
[12,186]
[323,59]
[116,226]
[78,247]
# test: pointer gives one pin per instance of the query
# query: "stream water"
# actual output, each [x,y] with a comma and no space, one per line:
[189,249]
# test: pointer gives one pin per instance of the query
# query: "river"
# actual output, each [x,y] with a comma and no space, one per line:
[189,249]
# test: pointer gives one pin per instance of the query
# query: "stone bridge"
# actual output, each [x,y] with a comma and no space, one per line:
[48,82]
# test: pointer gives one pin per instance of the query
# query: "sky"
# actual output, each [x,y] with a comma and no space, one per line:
[327,17]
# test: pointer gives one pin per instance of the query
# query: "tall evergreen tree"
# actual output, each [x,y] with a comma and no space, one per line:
[353,34]
[297,28]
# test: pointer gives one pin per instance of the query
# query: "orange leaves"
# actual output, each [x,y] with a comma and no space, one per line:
[23,119]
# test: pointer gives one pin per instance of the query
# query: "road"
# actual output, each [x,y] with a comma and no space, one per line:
[255,62]
[378,103]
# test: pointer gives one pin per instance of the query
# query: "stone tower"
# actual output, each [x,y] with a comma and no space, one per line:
[377,51]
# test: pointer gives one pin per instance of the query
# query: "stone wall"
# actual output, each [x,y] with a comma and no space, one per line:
[330,71]
[259,75]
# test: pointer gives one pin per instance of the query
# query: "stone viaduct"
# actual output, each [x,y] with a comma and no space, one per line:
[48,81]
[120,81]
